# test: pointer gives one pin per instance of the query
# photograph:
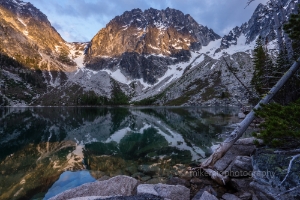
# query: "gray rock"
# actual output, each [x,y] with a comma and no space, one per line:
[248,141]
[117,186]
[135,197]
[177,192]
[241,166]
[243,147]
[146,189]
[230,197]
[208,189]
[241,184]
[245,196]
[241,115]
[91,198]
[207,196]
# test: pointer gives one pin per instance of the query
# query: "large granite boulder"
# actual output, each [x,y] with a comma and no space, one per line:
[116,186]
[207,196]
[135,197]
[206,193]
[173,192]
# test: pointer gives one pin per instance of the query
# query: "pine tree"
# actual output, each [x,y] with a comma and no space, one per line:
[292,28]
[262,68]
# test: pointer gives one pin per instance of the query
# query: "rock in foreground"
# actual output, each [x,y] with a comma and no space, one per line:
[174,192]
[116,186]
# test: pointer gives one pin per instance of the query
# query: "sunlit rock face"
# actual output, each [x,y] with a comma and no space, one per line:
[128,40]
[26,31]
[150,32]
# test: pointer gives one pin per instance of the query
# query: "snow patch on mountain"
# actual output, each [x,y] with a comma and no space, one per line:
[118,76]
[213,48]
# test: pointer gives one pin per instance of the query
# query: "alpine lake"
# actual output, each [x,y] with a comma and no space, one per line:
[47,150]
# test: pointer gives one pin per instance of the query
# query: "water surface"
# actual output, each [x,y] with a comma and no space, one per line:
[43,149]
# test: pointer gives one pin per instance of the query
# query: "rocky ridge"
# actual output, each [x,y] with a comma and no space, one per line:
[160,57]
[141,44]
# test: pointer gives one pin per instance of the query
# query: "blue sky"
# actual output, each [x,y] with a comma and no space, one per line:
[80,20]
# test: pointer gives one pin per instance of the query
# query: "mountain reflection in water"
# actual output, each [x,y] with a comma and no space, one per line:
[38,144]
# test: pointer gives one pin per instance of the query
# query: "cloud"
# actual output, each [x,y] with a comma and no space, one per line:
[82,19]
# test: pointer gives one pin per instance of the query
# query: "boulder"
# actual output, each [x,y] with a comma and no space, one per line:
[242,147]
[116,186]
[241,115]
[241,184]
[208,189]
[136,197]
[241,166]
[230,197]
[207,196]
[244,195]
[173,192]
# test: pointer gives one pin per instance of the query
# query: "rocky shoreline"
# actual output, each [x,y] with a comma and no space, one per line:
[254,174]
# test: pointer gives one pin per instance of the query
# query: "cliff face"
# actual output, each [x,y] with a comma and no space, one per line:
[163,55]
[143,43]
[24,30]
[153,31]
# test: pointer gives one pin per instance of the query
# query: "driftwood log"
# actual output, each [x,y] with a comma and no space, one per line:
[208,164]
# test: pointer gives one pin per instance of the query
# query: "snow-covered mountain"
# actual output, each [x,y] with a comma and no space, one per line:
[156,56]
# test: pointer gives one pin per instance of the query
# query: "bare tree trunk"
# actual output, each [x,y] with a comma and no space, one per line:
[238,132]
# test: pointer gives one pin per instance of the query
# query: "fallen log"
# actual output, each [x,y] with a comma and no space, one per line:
[208,164]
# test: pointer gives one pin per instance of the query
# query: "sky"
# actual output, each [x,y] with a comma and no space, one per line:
[80,20]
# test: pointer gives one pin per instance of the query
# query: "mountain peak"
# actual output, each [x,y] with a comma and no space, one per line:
[151,31]
[24,9]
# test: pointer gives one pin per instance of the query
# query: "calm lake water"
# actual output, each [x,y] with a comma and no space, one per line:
[44,151]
